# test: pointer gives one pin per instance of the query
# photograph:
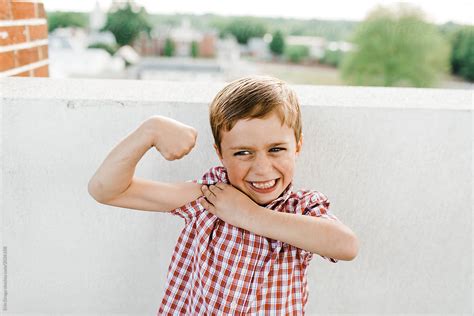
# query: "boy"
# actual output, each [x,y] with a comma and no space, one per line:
[248,237]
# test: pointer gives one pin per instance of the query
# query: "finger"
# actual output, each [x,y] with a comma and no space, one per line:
[208,206]
[208,194]
[220,185]
[205,190]
[208,203]
[214,189]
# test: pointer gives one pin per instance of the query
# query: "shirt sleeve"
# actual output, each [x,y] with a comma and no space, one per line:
[188,211]
[193,208]
[318,205]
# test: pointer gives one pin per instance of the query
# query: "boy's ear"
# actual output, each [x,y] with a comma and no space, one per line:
[218,153]
[299,146]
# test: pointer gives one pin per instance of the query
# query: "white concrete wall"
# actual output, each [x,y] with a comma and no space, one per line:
[395,163]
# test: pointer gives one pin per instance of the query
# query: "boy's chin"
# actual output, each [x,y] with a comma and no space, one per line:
[265,201]
[261,199]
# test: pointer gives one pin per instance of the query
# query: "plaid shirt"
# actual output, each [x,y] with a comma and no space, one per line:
[220,269]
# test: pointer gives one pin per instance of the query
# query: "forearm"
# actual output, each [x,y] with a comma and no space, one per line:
[314,234]
[116,172]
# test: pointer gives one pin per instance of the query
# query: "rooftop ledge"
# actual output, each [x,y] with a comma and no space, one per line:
[112,92]
[395,163]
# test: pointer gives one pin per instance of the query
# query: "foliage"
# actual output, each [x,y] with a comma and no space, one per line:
[331,30]
[396,47]
[277,45]
[332,57]
[462,56]
[296,53]
[66,19]
[169,48]
[126,24]
[111,49]
[194,49]
[244,28]
[448,29]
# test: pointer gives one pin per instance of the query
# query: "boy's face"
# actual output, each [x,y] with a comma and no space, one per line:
[259,155]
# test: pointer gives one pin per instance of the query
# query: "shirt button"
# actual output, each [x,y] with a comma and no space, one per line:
[233,305]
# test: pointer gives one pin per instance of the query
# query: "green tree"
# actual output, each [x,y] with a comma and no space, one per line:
[245,28]
[462,56]
[396,47]
[296,53]
[126,24]
[66,19]
[332,57]
[168,50]
[194,49]
[277,45]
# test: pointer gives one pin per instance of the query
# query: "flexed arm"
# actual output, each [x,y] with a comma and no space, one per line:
[114,182]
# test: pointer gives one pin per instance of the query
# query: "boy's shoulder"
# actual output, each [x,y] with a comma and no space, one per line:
[213,175]
[308,201]
[312,203]
[309,195]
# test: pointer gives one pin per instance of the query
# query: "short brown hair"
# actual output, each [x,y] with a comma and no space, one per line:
[254,97]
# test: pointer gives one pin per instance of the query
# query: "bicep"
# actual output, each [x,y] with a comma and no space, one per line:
[148,195]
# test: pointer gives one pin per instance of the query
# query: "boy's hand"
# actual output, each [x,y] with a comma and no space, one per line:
[171,138]
[228,203]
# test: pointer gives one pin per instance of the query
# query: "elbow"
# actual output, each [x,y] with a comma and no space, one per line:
[93,190]
[352,249]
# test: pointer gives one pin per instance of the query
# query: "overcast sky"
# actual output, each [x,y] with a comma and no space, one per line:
[459,11]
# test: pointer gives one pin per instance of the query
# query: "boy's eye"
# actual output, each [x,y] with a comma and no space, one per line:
[246,152]
[242,153]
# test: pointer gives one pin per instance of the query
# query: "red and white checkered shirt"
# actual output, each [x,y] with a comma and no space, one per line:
[220,269]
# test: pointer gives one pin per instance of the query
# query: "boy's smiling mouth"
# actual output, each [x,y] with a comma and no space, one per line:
[263,186]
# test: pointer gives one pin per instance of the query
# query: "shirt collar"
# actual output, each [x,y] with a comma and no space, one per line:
[221,175]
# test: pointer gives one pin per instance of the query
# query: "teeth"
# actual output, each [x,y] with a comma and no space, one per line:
[264,185]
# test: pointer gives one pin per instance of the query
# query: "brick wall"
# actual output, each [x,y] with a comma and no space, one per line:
[23,39]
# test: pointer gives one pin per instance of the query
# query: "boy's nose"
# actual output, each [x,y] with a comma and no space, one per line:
[262,165]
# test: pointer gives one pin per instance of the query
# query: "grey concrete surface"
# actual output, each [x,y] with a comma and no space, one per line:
[395,163]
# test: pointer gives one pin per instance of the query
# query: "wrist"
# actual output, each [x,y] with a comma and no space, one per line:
[253,218]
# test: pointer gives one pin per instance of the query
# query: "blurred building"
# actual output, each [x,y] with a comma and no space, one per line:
[182,37]
[97,18]
[70,56]
[23,39]
[178,69]
[316,45]
[228,50]
[258,47]
[216,59]
[341,46]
